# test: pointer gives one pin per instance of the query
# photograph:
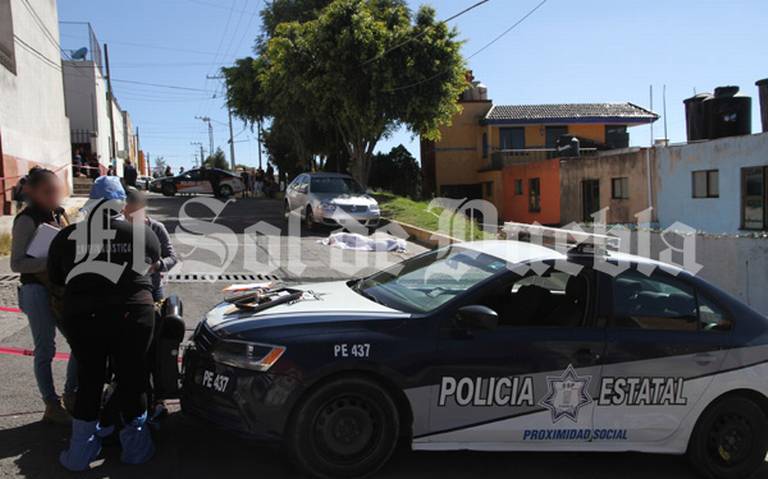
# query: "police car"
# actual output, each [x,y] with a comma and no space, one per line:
[490,346]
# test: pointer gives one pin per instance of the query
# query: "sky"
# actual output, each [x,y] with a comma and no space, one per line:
[568,51]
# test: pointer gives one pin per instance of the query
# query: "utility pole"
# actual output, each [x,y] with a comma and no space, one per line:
[258,140]
[207,119]
[112,152]
[197,143]
[138,151]
[231,141]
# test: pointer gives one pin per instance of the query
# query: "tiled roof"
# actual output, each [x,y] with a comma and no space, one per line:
[570,112]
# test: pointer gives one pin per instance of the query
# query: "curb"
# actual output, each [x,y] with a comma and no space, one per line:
[426,237]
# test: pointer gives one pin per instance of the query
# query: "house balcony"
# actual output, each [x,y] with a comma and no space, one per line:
[497,160]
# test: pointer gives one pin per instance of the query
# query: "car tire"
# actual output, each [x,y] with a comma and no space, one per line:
[345,428]
[730,439]
[309,219]
[169,189]
[225,191]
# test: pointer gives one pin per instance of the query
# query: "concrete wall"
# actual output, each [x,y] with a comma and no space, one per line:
[458,154]
[516,207]
[34,129]
[86,99]
[738,265]
[674,182]
[630,165]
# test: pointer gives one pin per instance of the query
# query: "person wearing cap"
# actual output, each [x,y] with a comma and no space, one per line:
[103,264]
[135,205]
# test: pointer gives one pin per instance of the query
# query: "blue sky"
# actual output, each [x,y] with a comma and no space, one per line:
[568,51]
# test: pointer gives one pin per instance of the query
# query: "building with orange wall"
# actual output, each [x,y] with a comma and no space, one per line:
[510,154]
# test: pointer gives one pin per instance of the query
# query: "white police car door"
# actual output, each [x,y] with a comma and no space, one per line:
[665,341]
[531,381]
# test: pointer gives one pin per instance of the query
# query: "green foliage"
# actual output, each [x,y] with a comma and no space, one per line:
[340,75]
[217,160]
[396,171]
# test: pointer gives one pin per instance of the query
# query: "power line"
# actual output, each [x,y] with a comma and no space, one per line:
[483,48]
[418,35]
[158,85]
[37,53]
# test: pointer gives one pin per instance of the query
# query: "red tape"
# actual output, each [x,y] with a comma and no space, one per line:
[29,352]
[9,310]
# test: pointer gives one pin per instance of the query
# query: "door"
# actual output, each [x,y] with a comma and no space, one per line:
[590,199]
[511,138]
[530,380]
[192,182]
[664,341]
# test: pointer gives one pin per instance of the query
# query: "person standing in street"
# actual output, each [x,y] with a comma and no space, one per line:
[43,191]
[130,174]
[103,263]
[136,201]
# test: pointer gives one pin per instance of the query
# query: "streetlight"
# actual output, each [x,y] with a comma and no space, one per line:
[200,144]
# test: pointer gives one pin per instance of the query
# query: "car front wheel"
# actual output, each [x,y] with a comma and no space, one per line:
[169,189]
[345,428]
[309,219]
[225,191]
[730,439]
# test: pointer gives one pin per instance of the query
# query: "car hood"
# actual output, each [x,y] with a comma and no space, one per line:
[337,199]
[332,301]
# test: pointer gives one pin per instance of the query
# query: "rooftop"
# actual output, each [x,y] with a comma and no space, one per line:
[618,113]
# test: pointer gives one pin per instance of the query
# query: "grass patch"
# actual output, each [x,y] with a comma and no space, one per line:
[418,213]
[5,244]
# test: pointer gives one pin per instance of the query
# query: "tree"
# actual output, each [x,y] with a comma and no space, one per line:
[160,164]
[396,171]
[217,160]
[349,72]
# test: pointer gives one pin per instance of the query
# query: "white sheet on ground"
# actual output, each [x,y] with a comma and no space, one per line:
[360,242]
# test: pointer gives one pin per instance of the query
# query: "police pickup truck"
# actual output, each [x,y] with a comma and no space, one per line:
[491,346]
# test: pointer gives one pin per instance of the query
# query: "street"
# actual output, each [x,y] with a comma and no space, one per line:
[191,449]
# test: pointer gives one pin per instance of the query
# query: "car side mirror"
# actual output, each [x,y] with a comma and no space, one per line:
[478,317]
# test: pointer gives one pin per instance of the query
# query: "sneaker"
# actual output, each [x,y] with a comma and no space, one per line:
[56,414]
[68,400]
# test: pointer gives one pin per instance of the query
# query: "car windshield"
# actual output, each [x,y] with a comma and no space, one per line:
[338,185]
[428,281]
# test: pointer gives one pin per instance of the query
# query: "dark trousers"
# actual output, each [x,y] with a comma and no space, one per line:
[122,333]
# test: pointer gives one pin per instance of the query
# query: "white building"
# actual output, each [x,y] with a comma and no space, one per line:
[716,186]
[34,129]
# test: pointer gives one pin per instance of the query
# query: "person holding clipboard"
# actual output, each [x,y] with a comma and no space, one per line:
[34,228]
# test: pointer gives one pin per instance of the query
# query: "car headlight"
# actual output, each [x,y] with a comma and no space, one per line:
[374,208]
[245,355]
[329,207]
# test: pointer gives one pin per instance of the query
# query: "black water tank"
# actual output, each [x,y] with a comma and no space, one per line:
[728,113]
[762,87]
[696,124]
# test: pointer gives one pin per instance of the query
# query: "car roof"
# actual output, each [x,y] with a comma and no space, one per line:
[325,174]
[513,251]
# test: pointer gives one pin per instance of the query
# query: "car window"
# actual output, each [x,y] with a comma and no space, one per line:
[338,185]
[428,281]
[711,316]
[656,303]
[552,299]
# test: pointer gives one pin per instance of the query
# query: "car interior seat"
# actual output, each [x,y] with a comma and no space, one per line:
[570,312]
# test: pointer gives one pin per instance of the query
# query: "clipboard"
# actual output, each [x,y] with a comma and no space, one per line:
[41,242]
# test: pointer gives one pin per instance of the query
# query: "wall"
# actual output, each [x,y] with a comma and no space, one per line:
[674,182]
[515,207]
[458,154]
[86,99]
[34,129]
[631,164]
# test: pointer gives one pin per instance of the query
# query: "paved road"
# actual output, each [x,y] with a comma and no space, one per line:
[189,449]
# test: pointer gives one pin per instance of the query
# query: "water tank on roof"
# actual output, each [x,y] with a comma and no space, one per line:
[696,124]
[728,113]
[762,87]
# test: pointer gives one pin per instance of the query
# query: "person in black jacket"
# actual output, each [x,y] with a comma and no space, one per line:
[103,264]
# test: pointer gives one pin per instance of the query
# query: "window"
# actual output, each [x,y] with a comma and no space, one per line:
[706,184]
[534,195]
[552,134]
[488,189]
[753,198]
[511,138]
[664,303]
[485,145]
[7,51]
[616,136]
[620,188]
[552,299]
[518,187]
